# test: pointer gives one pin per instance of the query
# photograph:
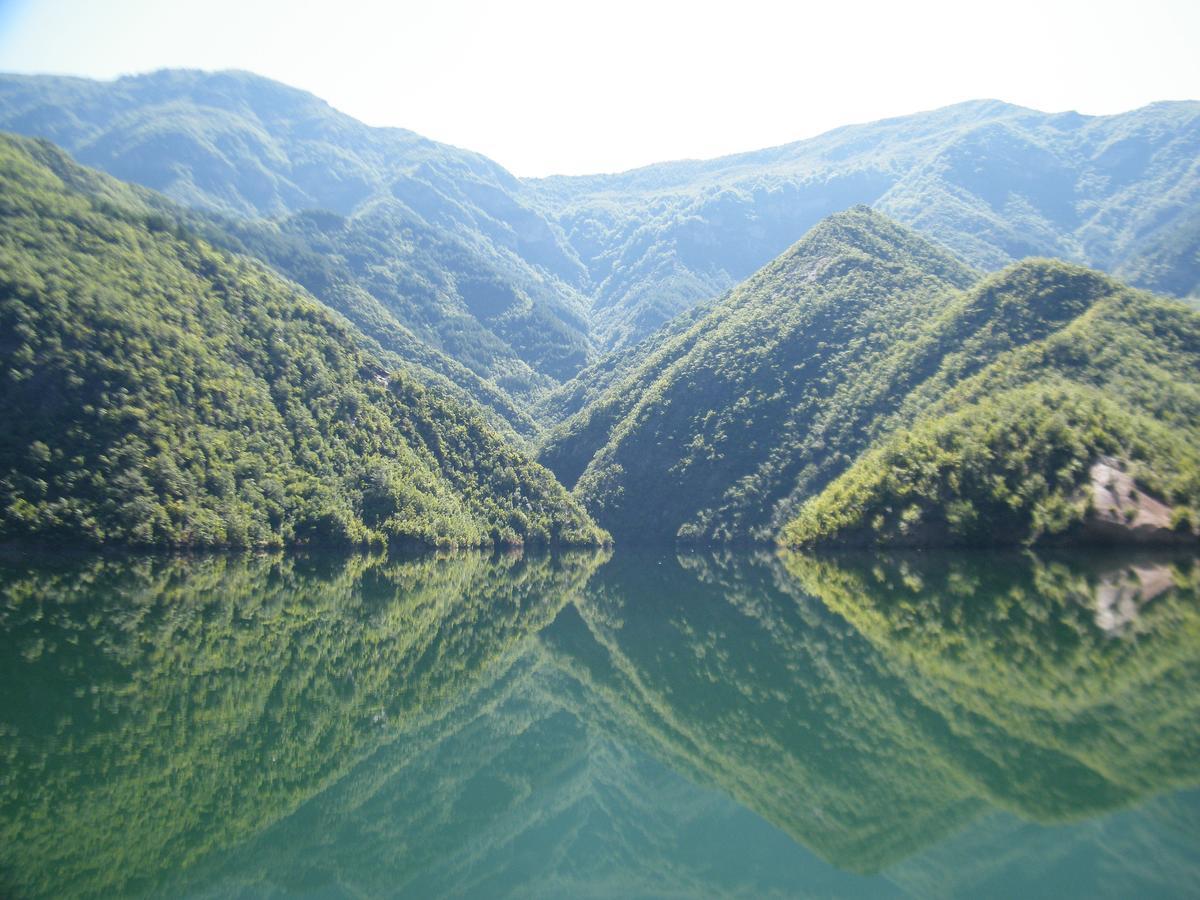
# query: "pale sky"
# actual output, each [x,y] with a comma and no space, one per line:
[555,86]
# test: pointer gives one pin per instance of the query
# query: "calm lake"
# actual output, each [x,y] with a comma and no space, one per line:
[600,725]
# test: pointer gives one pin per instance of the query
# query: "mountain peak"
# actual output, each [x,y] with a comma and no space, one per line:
[862,231]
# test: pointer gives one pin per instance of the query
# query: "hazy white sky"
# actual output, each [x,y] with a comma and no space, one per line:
[548,86]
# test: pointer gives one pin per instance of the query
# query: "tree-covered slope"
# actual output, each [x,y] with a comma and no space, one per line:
[709,436]
[1090,431]
[520,279]
[438,236]
[159,391]
[991,181]
[987,408]
[324,276]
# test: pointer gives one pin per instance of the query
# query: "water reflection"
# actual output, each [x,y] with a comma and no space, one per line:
[156,711]
[711,724]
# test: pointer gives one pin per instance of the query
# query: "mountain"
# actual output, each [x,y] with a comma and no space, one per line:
[990,181]
[714,431]
[439,237]
[157,390]
[322,275]
[739,409]
[1088,430]
[523,281]
[861,334]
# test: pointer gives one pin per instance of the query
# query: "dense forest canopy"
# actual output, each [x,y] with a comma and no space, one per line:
[723,426]
[159,391]
[1011,452]
[437,238]
[734,406]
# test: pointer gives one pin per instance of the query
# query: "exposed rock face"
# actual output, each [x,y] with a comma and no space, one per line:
[1122,512]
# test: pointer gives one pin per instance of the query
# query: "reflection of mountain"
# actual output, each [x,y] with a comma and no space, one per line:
[1148,853]
[529,798]
[688,727]
[1076,682]
[773,700]
[868,750]
[153,711]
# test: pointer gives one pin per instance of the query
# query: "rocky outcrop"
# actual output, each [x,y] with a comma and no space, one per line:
[1121,512]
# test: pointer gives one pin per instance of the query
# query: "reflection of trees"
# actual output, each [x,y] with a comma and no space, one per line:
[870,707]
[155,710]
[386,727]
[533,788]
[1067,708]
[773,700]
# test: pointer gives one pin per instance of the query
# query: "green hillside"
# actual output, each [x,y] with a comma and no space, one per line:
[712,433]
[720,424]
[1006,454]
[324,276]
[438,237]
[983,410]
[159,391]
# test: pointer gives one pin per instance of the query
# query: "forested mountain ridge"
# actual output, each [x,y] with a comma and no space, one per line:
[741,408]
[1087,430]
[438,237]
[380,333]
[710,433]
[524,280]
[987,407]
[158,391]
[990,181]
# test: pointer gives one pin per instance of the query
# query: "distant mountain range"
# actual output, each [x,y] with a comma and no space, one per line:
[990,181]
[490,266]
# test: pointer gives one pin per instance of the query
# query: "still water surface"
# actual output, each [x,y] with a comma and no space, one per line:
[599,725]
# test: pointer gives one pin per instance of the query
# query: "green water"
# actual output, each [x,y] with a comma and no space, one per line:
[599,725]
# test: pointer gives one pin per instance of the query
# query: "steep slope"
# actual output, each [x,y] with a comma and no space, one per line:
[991,181]
[439,236]
[592,382]
[709,436]
[1090,431]
[158,391]
[382,334]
